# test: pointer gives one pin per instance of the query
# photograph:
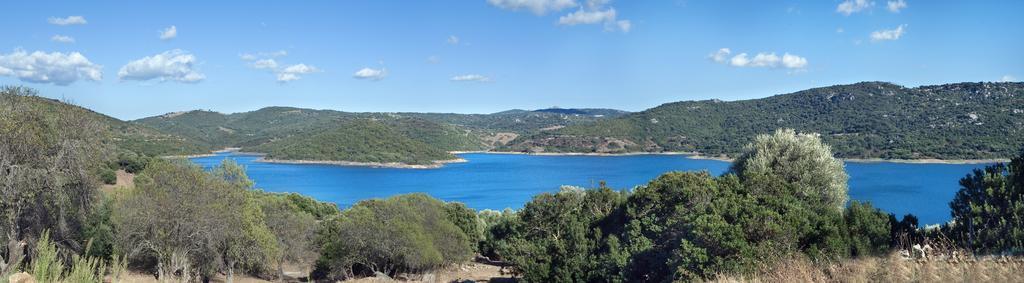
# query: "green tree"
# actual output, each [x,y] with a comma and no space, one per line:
[563,237]
[801,161]
[988,211]
[869,229]
[248,242]
[49,156]
[294,230]
[179,216]
[404,233]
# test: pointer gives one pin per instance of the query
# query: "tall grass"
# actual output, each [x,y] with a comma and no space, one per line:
[892,268]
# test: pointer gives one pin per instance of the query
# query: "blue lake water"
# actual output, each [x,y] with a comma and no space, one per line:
[497,181]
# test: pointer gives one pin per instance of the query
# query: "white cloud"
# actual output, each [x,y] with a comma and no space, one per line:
[470,78]
[890,34]
[174,65]
[169,33]
[453,40]
[840,30]
[265,64]
[254,56]
[793,61]
[70,20]
[538,7]
[266,61]
[56,67]
[721,55]
[587,17]
[1007,78]
[852,6]
[370,74]
[596,12]
[292,72]
[589,12]
[62,39]
[762,59]
[624,25]
[434,59]
[896,6]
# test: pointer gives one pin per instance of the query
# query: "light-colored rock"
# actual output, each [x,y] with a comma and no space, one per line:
[21,277]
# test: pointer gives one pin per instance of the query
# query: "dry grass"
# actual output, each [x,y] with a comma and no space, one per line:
[893,268]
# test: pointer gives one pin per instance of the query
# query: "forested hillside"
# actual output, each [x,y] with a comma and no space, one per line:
[863,120]
[126,136]
[355,140]
[281,128]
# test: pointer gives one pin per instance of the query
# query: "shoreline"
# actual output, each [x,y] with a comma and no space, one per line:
[440,163]
[393,165]
[698,156]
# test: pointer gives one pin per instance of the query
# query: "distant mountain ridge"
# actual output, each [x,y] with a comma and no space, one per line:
[862,120]
[278,131]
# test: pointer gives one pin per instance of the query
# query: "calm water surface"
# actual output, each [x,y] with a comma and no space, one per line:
[497,181]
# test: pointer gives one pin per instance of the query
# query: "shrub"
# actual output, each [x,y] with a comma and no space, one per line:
[405,233]
[988,211]
[563,237]
[869,229]
[801,161]
[108,176]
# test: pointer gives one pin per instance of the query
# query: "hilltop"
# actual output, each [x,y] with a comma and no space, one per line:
[862,120]
[127,136]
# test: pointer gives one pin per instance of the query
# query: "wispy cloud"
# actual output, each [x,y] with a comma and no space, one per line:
[370,74]
[62,39]
[169,33]
[70,20]
[453,40]
[890,34]
[539,7]
[896,6]
[174,65]
[254,56]
[54,68]
[294,72]
[283,74]
[588,12]
[853,6]
[471,78]
[596,12]
[761,59]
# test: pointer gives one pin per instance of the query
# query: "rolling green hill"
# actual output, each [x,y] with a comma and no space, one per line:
[863,120]
[124,135]
[355,140]
[264,129]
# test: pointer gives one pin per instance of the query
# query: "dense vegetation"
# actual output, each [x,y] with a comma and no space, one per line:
[779,205]
[988,211]
[357,140]
[692,226]
[863,120]
[280,127]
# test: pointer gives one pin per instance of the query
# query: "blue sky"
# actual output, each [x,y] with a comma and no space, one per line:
[483,56]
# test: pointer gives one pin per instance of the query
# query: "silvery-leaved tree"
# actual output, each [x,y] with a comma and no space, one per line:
[801,162]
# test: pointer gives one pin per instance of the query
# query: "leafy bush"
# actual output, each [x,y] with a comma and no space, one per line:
[108,176]
[801,161]
[869,229]
[988,211]
[563,237]
[405,233]
[190,222]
